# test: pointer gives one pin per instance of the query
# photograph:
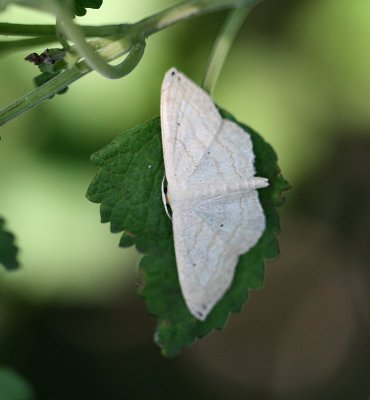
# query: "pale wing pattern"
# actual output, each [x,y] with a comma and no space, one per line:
[237,219]
[217,215]
[189,121]
[229,155]
[205,262]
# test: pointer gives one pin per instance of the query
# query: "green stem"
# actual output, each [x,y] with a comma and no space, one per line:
[7,29]
[223,44]
[96,62]
[110,50]
[40,94]
[26,30]
[93,59]
[183,11]
[56,84]
[15,45]
[60,35]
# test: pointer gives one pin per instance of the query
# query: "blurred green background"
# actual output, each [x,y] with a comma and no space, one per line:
[70,320]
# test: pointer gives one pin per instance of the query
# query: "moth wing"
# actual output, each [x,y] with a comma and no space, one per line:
[229,156]
[205,263]
[189,122]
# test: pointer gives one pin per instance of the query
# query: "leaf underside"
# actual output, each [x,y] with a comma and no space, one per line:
[8,249]
[128,186]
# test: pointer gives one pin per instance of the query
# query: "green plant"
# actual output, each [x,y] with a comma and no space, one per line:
[13,386]
[128,191]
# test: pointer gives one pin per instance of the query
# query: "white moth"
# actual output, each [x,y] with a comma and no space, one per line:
[211,188]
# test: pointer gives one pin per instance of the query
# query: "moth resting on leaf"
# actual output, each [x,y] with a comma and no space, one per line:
[212,191]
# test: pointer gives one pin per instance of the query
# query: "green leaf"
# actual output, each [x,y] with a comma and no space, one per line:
[128,186]
[81,5]
[8,249]
[13,386]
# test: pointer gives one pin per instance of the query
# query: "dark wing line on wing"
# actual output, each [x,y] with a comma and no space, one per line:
[227,149]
